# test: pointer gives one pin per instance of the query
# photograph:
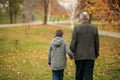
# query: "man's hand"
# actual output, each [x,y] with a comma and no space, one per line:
[71,57]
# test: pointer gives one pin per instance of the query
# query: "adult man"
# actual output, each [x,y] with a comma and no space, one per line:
[85,46]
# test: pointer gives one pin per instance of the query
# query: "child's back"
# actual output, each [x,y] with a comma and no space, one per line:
[58,52]
[57,55]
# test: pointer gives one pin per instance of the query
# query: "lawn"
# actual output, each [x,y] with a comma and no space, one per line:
[24,51]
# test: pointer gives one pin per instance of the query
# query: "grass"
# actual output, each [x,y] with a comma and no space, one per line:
[24,51]
[4,19]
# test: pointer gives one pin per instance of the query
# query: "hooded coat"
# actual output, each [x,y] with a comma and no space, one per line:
[57,53]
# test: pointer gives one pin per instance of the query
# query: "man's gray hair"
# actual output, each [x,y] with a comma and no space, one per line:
[84,16]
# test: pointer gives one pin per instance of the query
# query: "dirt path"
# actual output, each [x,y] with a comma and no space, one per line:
[102,32]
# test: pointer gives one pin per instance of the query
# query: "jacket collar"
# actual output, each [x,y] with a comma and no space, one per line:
[85,22]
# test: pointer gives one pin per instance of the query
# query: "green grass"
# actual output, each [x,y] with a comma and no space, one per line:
[24,51]
[4,19]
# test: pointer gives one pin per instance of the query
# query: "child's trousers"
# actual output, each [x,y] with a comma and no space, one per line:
[57,74]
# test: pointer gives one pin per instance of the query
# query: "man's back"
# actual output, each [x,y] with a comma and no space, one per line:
[85,46]
[84,41]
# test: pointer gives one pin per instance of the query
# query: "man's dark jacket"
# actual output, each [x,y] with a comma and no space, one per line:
[85,42]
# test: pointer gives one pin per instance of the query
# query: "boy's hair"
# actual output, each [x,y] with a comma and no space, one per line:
[59,33]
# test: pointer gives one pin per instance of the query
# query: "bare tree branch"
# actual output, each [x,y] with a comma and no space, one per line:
[70,7]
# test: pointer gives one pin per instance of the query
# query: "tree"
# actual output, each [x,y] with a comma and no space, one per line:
[43,8]
[49,11]
[107,12]
[70,7]
[53,9]
[10,11]
[13,8]
[29,10]
[81,7]
[17,8]
[114,5]
[46,5]
[56,11]
[2,4]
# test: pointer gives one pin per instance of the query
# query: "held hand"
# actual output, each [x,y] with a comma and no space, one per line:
[97,57]
[49,65]
[70,57]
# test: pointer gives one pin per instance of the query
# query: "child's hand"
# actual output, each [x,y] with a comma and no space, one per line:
[49,65]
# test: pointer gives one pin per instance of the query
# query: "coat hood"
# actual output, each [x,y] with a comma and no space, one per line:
[57,41]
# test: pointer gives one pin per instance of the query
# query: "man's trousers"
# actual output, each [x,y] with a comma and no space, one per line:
[84,69]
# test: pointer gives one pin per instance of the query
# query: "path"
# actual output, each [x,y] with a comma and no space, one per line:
[20,25]
[102,32]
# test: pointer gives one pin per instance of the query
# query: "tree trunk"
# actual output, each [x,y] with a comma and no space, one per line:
[15,11]
[45,16]
[45,19]
[45,11]
[15,18]
[10,12]
[49,11]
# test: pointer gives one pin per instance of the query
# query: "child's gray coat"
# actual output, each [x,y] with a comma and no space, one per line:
[57,53]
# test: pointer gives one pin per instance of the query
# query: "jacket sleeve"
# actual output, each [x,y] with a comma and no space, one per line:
[68,51]
[73,40]
[49,55]
[96,44]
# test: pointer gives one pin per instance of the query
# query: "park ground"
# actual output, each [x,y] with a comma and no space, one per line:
[24,52]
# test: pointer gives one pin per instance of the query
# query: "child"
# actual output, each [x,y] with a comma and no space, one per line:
[57,55]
